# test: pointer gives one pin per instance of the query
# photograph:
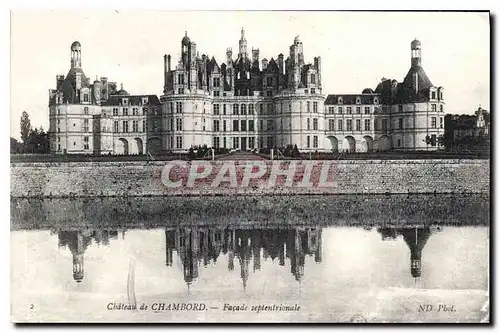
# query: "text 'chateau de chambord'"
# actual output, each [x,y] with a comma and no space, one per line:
[243,104]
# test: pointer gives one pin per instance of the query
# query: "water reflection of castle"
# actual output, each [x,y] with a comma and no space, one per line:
[197,246]
[203,245]
[415,238]
[78,241]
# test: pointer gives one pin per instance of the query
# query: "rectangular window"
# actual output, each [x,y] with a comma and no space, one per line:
[125,126]
[367,110]
[216,143]
[85,97]
[441,108]
[261,109]
[243,126]
[135,111]
[340,125]
[261,125]
[243,109]
[224,142]
[216,109]
[315,107]
[348,125]
[216,93]
[251,142]
[235,125]
[224,109]
[308,106]
[308,124]
[125,111]
[367,125]
[433,107]
[308,141]
[236,109]
[144,111]
[358,109]
[315,124]
[135,126]
[433,122]
[251,109]
[400,123]
[331,110]
[269,109]
[270,125]
[399,142]
[313,91]
[340,110]
[178,107]
[144,126]
[315,141]
[115,126]
[349,110]
[86,110]
[216,125]
[441,122]
[180,79]
[115,111]
[384,124]
[433,140]
[85,142]
[236,143]
[358,124]
[433,95]
[251,126]
[178,142]
[331,124]
[224,127]
[178,124]
[216,82]
[85,125]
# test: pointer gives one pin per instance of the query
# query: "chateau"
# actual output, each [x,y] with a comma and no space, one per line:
[244,104]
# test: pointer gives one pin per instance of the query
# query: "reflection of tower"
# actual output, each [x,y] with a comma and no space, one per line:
[231,238]
[296,253]
[256,245]
[187,245]
[77,242]
[243,250]
[416,238]
[169,246]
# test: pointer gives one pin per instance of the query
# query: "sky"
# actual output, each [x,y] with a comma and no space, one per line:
[357,49]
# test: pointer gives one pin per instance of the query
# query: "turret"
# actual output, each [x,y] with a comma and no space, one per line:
[243,44]
[416,56]
[76,55]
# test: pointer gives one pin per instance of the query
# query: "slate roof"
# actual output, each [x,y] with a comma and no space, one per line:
[132,100]
[350,99]
[68,87]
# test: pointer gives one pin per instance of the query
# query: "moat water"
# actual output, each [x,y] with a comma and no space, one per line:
[95,257]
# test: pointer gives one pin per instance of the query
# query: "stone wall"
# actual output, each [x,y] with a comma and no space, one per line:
[342,177]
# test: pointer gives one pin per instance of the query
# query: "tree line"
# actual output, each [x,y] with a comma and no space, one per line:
[33,140]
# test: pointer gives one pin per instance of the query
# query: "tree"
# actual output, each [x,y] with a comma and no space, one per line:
[25,127]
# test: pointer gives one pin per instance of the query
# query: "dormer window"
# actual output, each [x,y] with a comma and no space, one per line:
[358,100]
[86,98]
[339,100]
[144,100]
[375,100]
[433,95]
[124,101]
